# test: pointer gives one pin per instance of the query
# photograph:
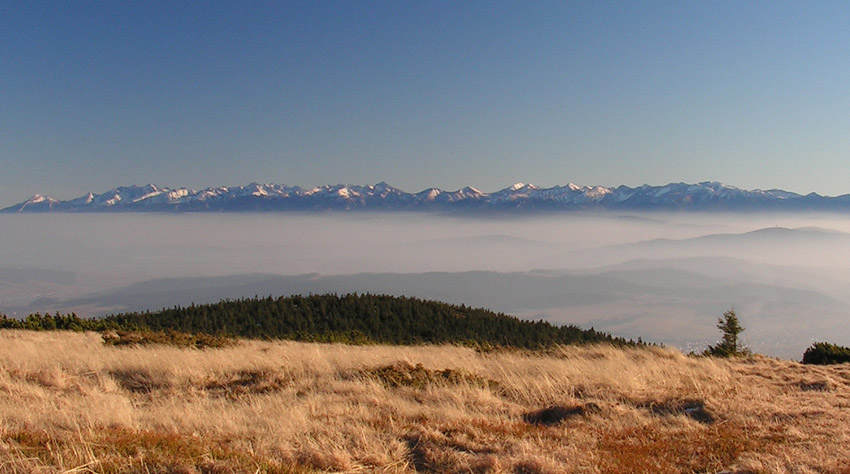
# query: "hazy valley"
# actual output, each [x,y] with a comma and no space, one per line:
[663,277]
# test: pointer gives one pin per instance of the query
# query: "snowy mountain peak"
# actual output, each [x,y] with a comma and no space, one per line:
[36,198]
[38,203]
[429,194]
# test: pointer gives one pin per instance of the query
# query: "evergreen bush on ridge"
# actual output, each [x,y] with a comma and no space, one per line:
[823,353]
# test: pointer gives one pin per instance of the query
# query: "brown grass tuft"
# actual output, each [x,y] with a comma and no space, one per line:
[693,409]
[139,379]
[556,414]
[248,382]
[405,374]
[648,449]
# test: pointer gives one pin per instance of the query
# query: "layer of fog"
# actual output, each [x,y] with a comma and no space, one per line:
[662,277]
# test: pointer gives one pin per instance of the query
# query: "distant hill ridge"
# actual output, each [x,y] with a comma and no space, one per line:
[707,196]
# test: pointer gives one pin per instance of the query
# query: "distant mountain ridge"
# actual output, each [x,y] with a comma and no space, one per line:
[706,196]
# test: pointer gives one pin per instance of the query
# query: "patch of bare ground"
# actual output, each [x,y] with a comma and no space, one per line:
[70,404]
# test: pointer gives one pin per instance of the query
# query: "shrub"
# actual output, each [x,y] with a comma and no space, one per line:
[822,353]
[172,338]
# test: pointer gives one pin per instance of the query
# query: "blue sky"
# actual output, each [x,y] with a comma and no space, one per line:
[100,94]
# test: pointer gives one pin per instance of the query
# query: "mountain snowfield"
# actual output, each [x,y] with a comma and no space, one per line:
[710,196]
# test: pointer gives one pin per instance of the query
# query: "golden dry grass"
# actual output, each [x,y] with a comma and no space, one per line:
[70,404]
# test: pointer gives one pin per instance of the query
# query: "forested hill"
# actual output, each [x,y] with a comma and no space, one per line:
[353,318]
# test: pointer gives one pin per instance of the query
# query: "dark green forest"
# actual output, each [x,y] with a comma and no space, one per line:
[351,318]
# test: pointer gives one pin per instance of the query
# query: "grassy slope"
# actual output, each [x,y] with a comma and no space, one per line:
[69,402]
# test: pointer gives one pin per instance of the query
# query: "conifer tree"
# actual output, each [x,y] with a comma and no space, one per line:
[731,328]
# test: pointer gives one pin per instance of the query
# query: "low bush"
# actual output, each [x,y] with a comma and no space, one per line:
[823,353]
[171,338]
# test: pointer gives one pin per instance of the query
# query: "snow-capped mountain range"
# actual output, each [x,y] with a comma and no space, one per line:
[706,196]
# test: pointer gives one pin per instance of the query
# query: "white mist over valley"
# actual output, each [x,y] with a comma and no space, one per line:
[663,277]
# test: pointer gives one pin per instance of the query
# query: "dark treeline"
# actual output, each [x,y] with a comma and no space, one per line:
[352,318]
[58,322]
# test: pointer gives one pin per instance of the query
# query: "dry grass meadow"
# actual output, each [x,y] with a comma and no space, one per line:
[70,404]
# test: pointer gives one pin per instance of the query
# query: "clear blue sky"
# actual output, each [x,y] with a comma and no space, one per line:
[418,94]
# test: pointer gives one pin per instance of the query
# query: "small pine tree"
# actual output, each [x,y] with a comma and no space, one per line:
[731,328]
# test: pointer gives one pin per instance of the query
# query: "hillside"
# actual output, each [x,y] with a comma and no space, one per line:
[73,404]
